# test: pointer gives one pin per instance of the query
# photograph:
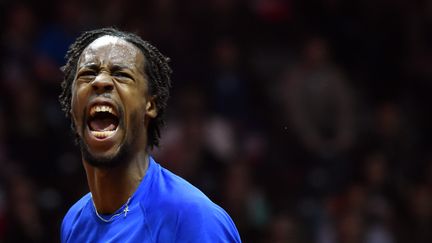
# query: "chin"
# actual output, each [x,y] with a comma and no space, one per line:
[111,160]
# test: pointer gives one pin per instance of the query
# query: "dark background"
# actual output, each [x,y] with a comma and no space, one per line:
[308,121]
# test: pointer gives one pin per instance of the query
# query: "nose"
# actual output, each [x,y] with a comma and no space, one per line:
[102,83]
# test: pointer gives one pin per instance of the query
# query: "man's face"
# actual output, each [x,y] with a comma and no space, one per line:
[111,104]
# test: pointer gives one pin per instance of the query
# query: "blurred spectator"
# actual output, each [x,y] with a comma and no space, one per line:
[320,105]
[419,221]
[16,47]
[229,89]
[25,224]
[319,101]
[284,228]
[244,200]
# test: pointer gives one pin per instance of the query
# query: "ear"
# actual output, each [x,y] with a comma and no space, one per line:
[151,110]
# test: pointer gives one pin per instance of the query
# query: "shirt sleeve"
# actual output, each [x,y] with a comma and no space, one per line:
[206,224]
[63,231]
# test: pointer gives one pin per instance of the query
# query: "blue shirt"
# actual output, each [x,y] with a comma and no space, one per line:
[164,208]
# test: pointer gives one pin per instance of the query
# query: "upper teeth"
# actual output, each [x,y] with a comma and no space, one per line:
[101,108]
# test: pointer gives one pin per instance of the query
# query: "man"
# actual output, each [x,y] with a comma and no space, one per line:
[115,90]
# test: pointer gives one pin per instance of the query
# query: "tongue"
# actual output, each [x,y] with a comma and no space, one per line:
[104,124]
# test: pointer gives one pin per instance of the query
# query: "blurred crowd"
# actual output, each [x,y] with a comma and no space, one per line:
[307,121]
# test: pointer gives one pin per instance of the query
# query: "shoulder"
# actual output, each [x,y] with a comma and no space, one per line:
[205,222]
[176,193]
[77,208]
[72,215]
[197,218]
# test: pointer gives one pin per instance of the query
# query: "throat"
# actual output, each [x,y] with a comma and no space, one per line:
[110,197]
[110,194]
[111,188]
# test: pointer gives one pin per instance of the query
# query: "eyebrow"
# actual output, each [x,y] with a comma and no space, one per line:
[117,67]
[89,66]
[113,66]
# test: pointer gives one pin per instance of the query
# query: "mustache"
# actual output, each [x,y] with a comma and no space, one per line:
[105,95]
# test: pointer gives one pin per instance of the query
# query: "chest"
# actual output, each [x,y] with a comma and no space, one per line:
[123,229]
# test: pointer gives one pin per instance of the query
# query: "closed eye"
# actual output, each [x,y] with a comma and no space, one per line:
[122,75]
[87,74]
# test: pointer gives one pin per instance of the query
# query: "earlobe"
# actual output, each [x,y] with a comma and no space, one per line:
[151,109]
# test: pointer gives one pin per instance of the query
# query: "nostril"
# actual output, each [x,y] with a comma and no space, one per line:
[103,88]
[102,85]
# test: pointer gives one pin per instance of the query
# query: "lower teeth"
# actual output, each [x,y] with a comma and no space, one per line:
[102,134]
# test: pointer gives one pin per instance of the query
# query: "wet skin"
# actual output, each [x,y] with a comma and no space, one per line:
[110,72]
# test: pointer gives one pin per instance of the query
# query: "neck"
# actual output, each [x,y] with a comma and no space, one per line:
[112,187]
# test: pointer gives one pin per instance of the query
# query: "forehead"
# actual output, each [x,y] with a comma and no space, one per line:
[111,50]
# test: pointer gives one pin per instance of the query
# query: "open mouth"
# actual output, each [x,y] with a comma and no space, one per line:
[103,121]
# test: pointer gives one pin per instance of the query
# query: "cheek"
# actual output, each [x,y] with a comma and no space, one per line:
[136,114]
[74,113]
[76,108]
[133,98]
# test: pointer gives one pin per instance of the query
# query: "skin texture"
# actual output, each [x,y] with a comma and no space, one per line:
[110,71]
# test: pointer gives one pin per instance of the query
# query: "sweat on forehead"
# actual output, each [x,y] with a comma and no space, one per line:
[110,48]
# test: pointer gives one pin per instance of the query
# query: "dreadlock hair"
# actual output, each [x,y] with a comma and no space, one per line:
[156,68]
